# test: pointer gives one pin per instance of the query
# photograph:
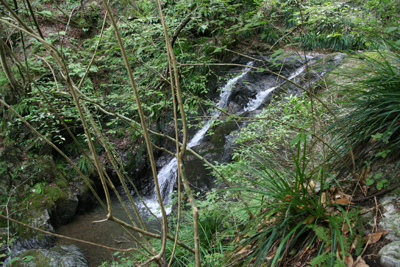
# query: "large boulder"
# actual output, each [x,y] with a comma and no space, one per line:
[32,239]
[391,217]
[58,256]
[390,255]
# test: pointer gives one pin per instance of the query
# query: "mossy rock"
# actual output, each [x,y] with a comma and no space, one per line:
[218,138]
[60,203]
[29,238]
[58,256]
[44,197]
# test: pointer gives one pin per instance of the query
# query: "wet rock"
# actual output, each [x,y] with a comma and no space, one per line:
[198,175]
[86,198]
[58,256]
[390,255]
[391,217]
[33,239]
[222,130]
[65,209]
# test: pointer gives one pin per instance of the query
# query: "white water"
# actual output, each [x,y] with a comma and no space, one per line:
[167,174]
[261,96]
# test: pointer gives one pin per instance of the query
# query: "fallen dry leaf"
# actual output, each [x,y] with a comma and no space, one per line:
[245,249]
[383,231]
[372,238]
[323,198]
[361,263]
[343,201]
[354,244]
[288,198]
[349,261]
[309,220]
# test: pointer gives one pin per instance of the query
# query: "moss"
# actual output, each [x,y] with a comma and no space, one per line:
[62,183]
[39,258]
[218,138]
[46,199]
[54,193]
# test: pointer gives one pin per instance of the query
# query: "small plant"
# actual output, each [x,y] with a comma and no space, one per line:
[375,179]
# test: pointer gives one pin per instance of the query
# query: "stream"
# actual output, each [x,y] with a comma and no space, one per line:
[108,233]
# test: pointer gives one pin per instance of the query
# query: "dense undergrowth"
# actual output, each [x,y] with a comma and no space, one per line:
[285,175]
[302,207]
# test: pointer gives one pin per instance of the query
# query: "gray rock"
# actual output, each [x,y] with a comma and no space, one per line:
[29,238]
[390,220]
[390,255]
[65,209]
[58,256]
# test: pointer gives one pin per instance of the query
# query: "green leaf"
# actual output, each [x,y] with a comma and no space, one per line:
[28,258]
[277,52]
[45,12]
[391,29]
[369,181]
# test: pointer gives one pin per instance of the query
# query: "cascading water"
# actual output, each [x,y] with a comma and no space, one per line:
[261,96]
[167,174]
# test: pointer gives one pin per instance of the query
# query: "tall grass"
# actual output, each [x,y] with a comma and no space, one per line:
[291,213]
[373,120]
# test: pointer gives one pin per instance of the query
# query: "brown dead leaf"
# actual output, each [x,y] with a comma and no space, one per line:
[354,244]
[309,220]
[364,189]
[349,261]
[372,238]
[323,198]
[244,250]
[343,201]
[288,198]
[361,263]
[383,231]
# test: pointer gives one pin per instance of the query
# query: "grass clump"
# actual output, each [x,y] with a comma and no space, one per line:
[372,122]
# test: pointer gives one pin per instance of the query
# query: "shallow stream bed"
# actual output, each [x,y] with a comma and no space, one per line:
[104,233]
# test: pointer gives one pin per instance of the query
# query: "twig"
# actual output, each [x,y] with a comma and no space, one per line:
[375,194]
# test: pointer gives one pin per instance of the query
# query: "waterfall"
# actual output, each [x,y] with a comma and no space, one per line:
[261,96]
[167,174]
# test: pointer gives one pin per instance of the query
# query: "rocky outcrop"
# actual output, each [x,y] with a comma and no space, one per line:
[58,256]
[390,255]
[390,220]
[28,238]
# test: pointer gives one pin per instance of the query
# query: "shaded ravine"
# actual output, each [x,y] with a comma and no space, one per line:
[108,233]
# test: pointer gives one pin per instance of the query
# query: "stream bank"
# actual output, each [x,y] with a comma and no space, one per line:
[248,92]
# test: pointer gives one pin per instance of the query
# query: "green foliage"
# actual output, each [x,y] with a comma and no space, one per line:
[373,120]
[375,179]
[284,202]
[84,165]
